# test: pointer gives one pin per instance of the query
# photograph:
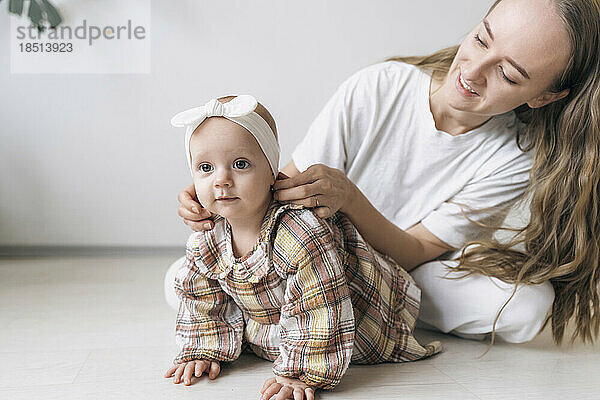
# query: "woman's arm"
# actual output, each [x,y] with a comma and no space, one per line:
[408,248]
[334,191]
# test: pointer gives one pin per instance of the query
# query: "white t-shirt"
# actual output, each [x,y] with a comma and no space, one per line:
[379,130]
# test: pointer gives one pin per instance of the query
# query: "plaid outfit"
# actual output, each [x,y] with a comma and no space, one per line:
[312,296]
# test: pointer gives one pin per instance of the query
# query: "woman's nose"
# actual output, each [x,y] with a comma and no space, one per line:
[476,72]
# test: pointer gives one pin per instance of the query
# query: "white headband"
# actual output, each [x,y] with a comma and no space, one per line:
[239,110]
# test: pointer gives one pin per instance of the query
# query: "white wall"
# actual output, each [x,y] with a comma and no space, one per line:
[90,159]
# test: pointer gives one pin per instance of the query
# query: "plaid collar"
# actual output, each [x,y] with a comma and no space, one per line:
[218,250]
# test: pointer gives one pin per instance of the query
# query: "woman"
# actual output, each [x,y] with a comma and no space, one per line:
[422,152]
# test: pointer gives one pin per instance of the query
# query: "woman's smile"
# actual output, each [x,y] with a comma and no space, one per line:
[463,88]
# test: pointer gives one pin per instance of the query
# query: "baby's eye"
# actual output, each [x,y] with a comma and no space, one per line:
[241,164]
[205,167]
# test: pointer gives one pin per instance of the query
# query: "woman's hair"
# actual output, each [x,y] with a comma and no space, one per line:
[561,242]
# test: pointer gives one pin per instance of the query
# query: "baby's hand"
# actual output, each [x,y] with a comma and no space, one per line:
[190,368]
[281,388]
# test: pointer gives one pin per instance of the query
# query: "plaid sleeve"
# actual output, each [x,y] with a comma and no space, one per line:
[317,320]
[209,323]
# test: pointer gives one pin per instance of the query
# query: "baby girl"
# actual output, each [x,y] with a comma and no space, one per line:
[306,293]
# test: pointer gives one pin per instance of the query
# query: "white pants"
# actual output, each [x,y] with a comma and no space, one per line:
[465,307]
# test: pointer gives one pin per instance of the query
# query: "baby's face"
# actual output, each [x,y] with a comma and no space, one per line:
[231,174]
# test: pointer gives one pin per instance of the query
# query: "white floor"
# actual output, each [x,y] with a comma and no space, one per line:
[81,328]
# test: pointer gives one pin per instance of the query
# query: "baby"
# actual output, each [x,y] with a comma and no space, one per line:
[306,293]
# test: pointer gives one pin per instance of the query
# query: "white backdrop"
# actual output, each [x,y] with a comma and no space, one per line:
[90,159]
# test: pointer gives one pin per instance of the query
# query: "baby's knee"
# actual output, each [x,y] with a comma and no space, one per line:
[524,315]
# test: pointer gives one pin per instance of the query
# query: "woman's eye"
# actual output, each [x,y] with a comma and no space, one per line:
[241,164]
[205,167]
[506,77]
[479,41]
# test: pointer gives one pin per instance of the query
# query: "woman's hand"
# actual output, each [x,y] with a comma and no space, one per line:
[281,388]
[193,214]
[193,368]
[325,189]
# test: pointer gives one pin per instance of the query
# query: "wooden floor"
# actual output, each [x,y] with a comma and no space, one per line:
[98,328]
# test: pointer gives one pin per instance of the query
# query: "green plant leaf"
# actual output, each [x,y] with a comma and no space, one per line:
[35,14]
[52,14]
[15,6]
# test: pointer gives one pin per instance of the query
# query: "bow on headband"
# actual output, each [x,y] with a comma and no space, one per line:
[237,107]
[239,110]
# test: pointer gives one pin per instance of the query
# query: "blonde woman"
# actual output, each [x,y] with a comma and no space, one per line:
[422,152]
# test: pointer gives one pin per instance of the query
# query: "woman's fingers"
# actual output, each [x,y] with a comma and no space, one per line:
[303,178]
[318,186]
[187,197]
[324,212]
[298,192]
[200,226]
[315,201]
[192,216]
[326,206]
[215,368]
[308,202]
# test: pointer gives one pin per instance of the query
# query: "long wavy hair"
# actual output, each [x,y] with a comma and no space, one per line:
[561,241]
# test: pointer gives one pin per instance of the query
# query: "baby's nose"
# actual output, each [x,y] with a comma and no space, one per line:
[223,179]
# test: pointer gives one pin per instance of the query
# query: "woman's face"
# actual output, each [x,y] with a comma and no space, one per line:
[512,57]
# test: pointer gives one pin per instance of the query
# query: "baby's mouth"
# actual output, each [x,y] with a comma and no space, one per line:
[227,198]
